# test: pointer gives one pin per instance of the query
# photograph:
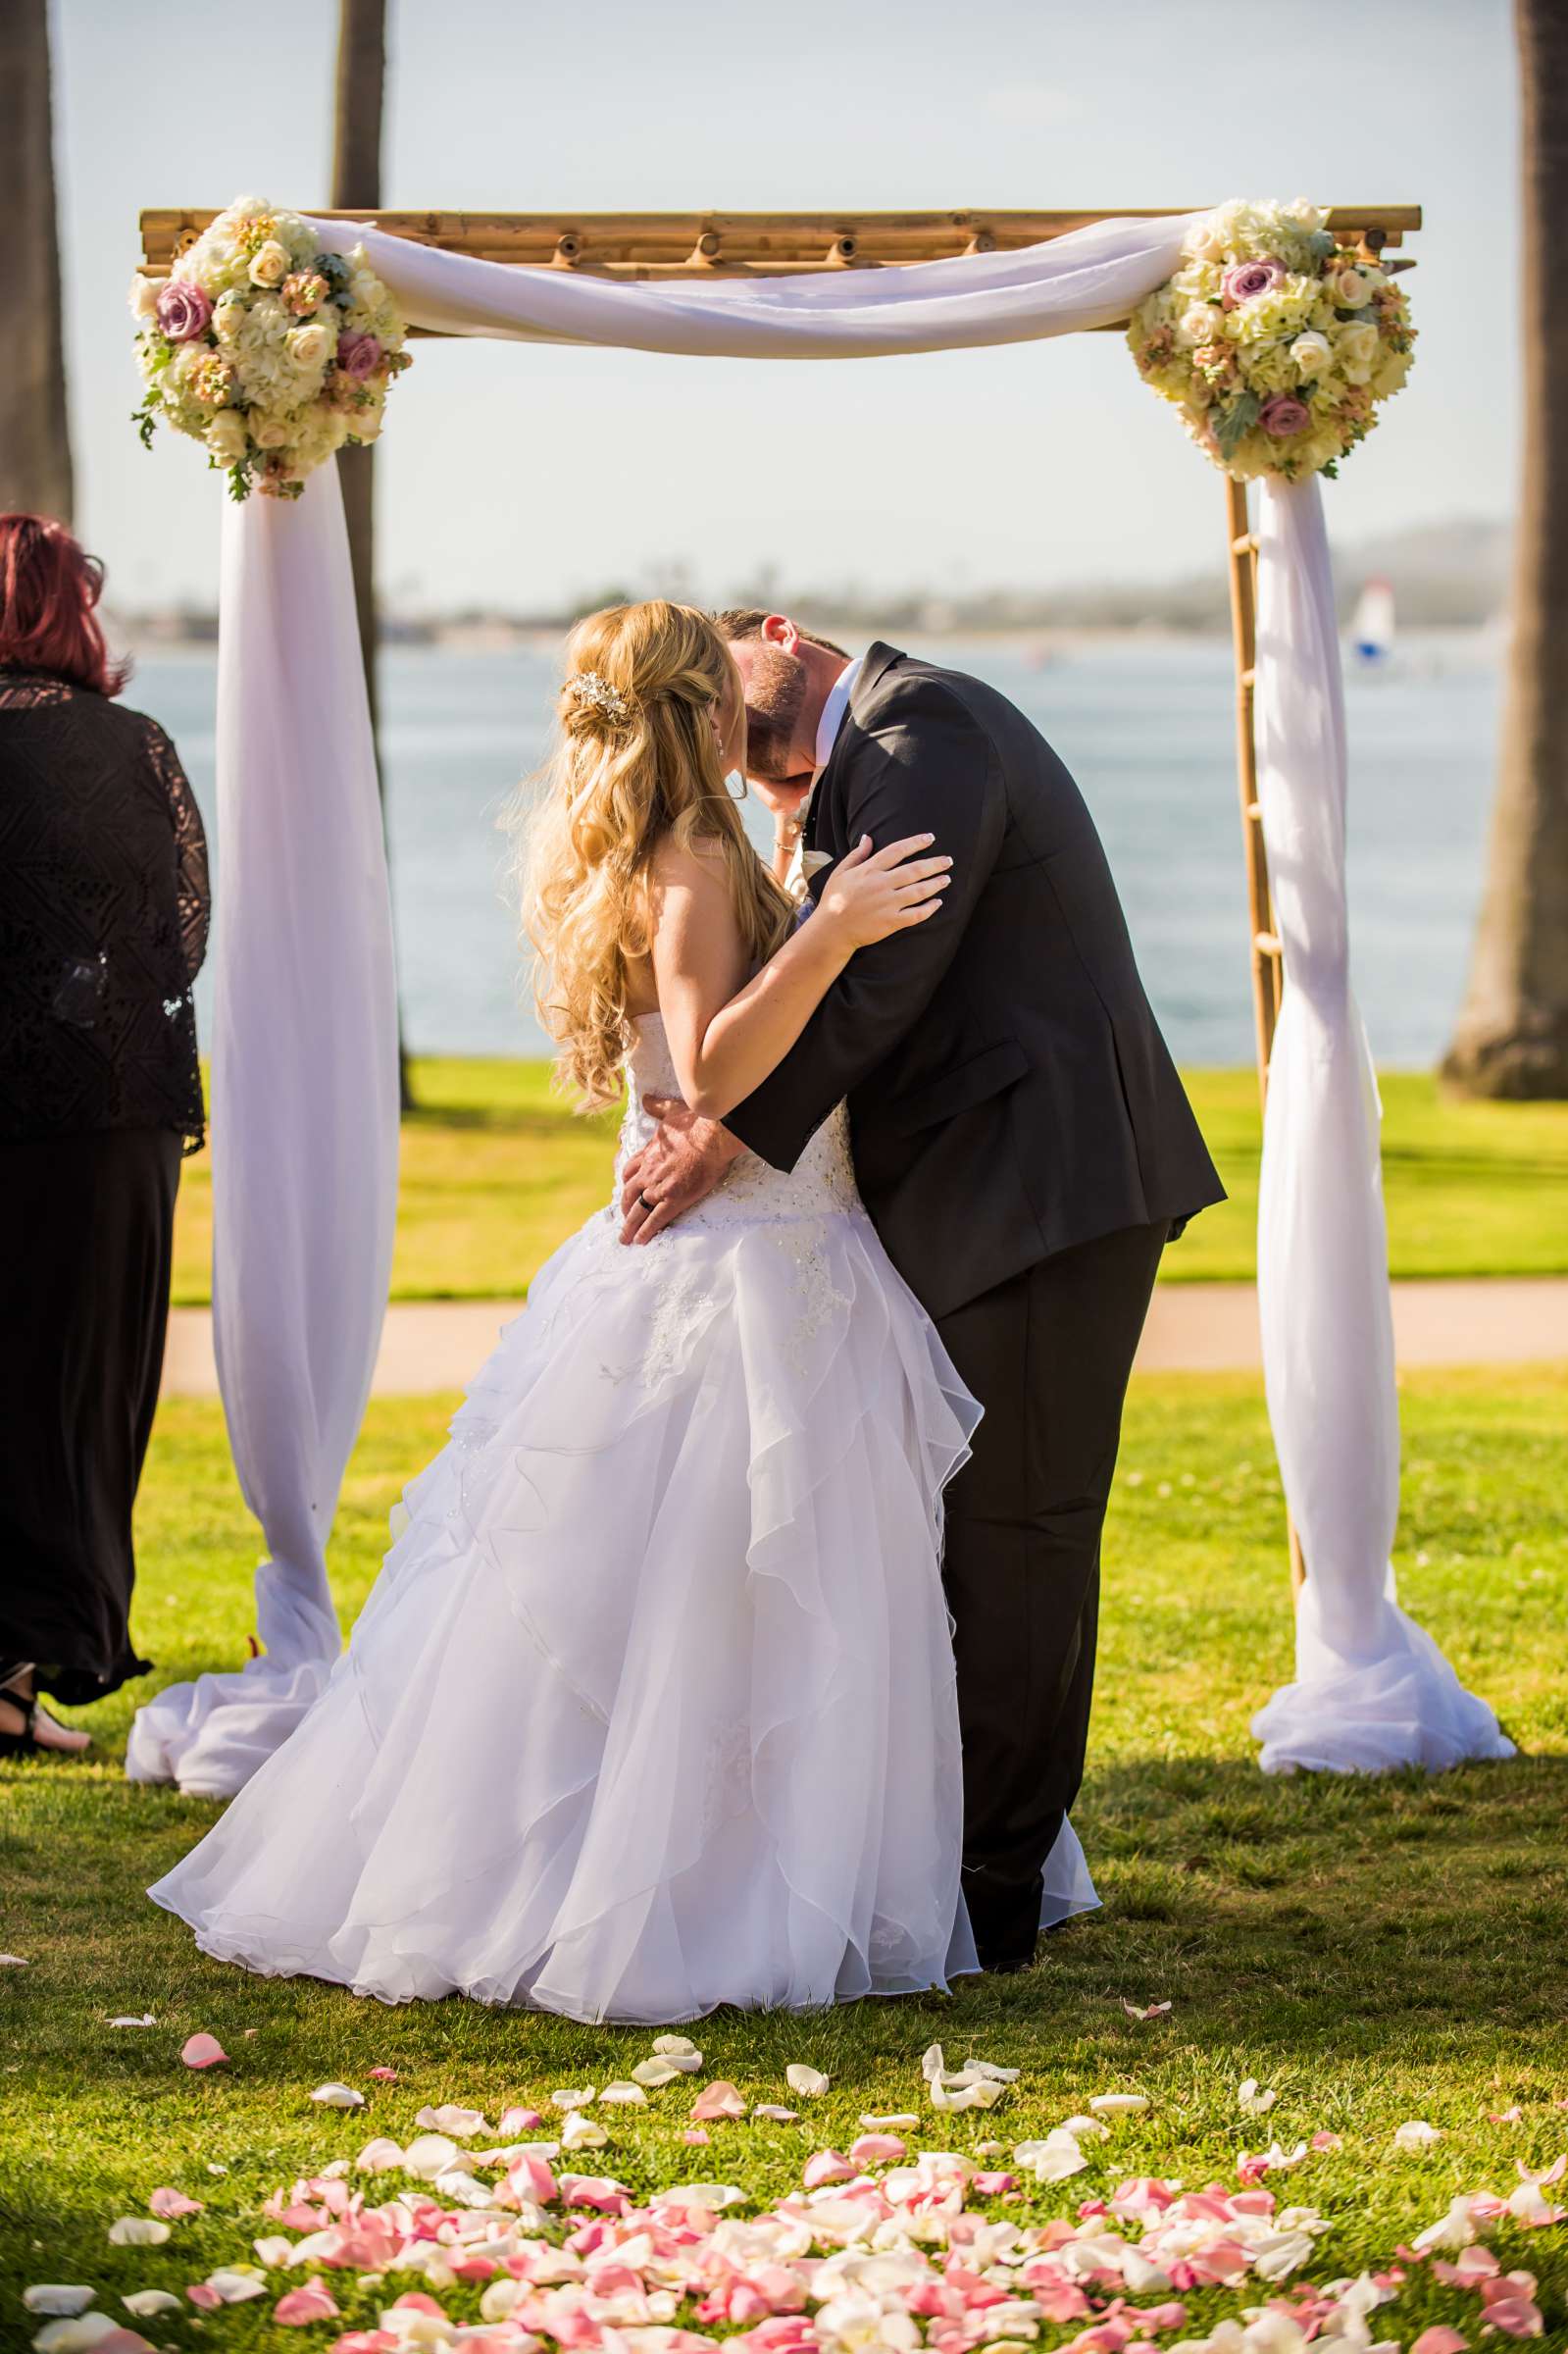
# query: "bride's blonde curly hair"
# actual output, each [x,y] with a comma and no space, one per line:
[637,761]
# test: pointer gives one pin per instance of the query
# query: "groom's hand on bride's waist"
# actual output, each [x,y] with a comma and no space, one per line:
[677,1167]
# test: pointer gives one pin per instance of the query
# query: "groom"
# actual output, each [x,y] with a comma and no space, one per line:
[1023,1146]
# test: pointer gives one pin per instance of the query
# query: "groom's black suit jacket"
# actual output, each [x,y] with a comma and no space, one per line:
[1010,1093]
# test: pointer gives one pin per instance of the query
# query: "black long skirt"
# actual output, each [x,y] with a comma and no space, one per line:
[87,1223]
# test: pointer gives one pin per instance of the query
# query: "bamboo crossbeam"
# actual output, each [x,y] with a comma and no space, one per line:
[644,245]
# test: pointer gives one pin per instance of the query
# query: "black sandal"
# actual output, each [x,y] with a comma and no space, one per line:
[26,1743]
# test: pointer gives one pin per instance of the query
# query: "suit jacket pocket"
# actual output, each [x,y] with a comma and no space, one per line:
[958,1090]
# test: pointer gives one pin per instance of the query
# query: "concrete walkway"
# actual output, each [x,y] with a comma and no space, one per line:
[1192,1328]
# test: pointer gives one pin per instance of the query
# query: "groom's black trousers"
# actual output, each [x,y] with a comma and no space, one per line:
[1048,1356]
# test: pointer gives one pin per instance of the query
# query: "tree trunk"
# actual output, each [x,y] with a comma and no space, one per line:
[1512,1035]
[356,186]
[35,430]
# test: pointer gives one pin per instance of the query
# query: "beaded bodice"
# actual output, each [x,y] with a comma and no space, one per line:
[822,1179]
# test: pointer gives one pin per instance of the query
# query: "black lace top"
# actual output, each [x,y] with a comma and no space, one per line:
[104,905]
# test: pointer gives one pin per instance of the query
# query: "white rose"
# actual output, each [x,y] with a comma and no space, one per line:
[1311,353]
[269,265]
[1356,348]
[1350,288]
[143,297]
[1197,324]
[229,320]
[310,345]
[1207,242]
[225,436]
[366,425]
[267,432]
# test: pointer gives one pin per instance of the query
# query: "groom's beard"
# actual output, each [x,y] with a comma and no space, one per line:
[775,693]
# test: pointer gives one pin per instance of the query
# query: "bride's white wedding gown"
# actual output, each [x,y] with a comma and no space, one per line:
[651,1707]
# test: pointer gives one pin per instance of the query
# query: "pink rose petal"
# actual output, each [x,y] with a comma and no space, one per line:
[203,2297]
[878,2149]
[718,2100]
[203,2051]
[385,2076]
[516,2121]
[1440,2340]
[311,2303]
[697,2135]
[826,2166]
[172,2203]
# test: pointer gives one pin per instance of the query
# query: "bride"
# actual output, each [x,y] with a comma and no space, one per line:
[652,1706]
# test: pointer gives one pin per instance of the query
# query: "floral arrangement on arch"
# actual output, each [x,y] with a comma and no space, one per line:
[1276,345]
[267,350]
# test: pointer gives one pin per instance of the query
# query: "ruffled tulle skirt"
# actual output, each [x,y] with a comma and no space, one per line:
[652,1706]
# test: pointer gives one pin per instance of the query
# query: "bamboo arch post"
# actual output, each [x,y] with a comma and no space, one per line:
[1266,955]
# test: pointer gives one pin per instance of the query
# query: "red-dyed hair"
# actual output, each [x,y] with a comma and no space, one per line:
[49,590]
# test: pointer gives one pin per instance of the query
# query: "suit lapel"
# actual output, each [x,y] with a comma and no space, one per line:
[824,825]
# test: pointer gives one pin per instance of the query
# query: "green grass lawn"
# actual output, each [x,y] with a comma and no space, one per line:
[1377,1952]
[498,1171]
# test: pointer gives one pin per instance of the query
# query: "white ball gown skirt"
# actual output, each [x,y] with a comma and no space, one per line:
[652,1706]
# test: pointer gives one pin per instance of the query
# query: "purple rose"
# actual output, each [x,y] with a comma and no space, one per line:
[183,310]
[1283,415]
[1242,281]
[359,356]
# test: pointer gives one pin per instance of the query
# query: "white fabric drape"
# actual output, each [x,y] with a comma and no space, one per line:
[1372,1690]
[305,1108]
[304,1067]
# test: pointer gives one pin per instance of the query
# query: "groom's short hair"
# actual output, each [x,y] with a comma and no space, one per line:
[745,621]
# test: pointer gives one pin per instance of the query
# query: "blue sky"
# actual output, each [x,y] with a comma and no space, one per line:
[520,475]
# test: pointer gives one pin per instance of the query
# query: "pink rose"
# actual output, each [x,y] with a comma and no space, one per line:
[1243,280]
[1283,415]
[183,310]
[359,356]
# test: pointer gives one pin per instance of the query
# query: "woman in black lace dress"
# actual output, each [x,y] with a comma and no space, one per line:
[103,924]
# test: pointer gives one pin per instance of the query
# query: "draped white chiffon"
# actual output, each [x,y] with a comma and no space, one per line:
[652,1706]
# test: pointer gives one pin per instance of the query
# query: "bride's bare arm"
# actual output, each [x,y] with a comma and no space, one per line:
[726,1033]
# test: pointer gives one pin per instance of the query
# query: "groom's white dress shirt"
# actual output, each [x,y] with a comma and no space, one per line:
[803,864]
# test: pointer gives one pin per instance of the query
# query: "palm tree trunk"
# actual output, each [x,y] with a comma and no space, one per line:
[1512,1033]
[357,184]
[34,431]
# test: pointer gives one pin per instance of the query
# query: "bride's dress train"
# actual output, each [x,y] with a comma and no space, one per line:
[651,1708]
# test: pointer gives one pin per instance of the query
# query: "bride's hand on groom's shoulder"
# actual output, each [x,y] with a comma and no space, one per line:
[680,1165]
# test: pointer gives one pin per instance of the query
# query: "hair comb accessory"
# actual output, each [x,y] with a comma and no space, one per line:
[592,687]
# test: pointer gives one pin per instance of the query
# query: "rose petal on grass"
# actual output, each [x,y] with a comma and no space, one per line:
[903,2121]
[654,2073]
[76,2332]
[878,2149]
[13,1962]
[825,2166]
[697,2136]
[1251,2101]
[520,2120]
[55,2297]
[1145,2009]
[311,2303]
[172,2203]
[236,2284]
[203,2051]
[461,2123]
[379,2157]
[337,2096]
[622,2091]
[809,2082]
[715,2101]
[1118,2104]
[138,2231]
[1415,2134]
[382,2075]
[580,2132]
[777,2116]
[1441,2339]
[124,2020]
[1328,2141]
[581,2097]
[145,2302]
[1052,2160]
[428,2155]
[204,2296]
[1505,2117]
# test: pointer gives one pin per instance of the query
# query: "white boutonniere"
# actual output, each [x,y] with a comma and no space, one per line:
[812,863]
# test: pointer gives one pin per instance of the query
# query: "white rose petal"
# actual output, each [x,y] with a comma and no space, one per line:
[143,297]
[145,2302]
[1253,2103]
[337,2096]
[775,2114]
[274,2251]
[461,2123]
[654,2073]
[679,2048]
[145,2020]
[138,2231]
[1415,2134]
[379,2157]
[237,2283]
[1052,2160]
[13,1961]
[498,2299]
[584,2098]
[989,2070]
[73,2336]
[55,2297]
[809,2082]
[632,2095]
[428,2155]
[1078,2126]
[903,2121]
[982,2093]
[1118,2104]
[580,2132]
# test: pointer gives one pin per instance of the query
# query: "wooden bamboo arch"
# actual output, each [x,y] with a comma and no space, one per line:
[708,245]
